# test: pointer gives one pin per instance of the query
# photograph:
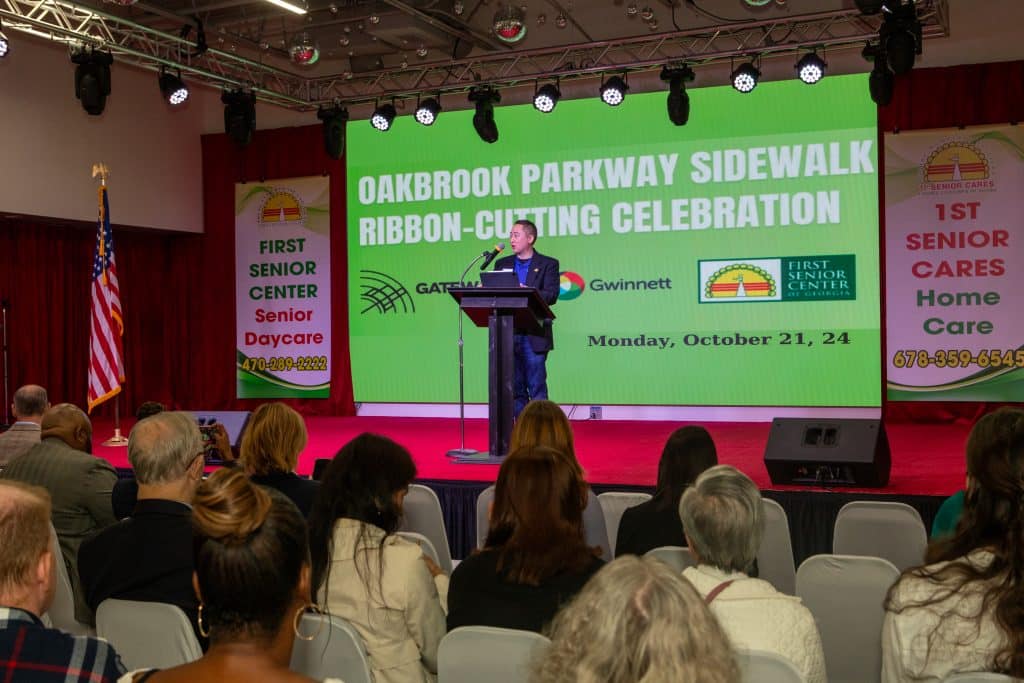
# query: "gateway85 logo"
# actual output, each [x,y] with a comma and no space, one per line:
[570,286]
[383,294]
[788,278]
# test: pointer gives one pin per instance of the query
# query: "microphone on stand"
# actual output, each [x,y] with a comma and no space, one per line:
[492,254]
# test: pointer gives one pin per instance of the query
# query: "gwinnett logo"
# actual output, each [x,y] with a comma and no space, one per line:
[570,286]
[384,294]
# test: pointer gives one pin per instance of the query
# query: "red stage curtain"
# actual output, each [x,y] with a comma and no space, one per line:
[966,95]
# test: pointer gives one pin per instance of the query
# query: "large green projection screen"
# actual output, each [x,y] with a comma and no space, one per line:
[730,262]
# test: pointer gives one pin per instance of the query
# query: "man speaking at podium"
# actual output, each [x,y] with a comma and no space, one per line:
[531,350]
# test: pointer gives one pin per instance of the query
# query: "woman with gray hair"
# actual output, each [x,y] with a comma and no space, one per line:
[723,521]
[636,620]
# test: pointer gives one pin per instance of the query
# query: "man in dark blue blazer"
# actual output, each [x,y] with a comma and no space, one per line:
[531,350]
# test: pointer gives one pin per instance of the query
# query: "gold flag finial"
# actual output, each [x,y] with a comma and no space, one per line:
[102,171]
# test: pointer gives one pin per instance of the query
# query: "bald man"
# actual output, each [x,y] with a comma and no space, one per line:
[78,483]
[30,402]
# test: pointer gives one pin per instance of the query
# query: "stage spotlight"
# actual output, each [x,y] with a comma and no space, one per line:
[239,115]
[811,68]
[869,6]
[174,89]
[678,102]
[483,119]
[900,38]
[335,122]
[92,78]
[5,46]
[546,98]
[383,116]
[744,78]
[428,110]
[881,82]
[613,91]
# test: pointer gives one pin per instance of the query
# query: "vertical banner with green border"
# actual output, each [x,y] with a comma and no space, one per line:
[733,261]
[954,227]
[283,288]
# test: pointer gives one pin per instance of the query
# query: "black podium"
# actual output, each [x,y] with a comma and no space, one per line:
[501,310]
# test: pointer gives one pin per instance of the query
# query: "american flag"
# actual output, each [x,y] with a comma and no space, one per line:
[106,360]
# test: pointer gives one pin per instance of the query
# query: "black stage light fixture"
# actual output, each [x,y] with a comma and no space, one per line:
[5,45]
[428,110]
[92,78]
[744,77]
[173,88]
[483,119]
[613,91]
[239,115]
[545,99]
[811,68]
[678,102]
[383,116]
[900,38]
[881,82]
[869,6]
[335,123]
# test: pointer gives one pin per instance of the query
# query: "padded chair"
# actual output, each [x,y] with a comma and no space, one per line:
[775,556]
[471,654]
[423,542]
[613,504]
[62,612]
[676,556]
[845,595]
[336,651]
[422,514]
[979,677]
[892,531]
[147,635]
[766,667]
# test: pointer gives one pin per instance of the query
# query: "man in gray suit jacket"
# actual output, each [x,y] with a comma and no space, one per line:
[78,483]
[30,402]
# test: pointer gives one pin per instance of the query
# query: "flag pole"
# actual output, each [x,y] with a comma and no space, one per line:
[117,439]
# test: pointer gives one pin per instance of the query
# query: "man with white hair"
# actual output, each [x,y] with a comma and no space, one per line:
[148,556]
[29,651]
[30,402]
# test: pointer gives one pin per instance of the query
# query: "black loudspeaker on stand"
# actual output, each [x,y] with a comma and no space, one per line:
[839,452]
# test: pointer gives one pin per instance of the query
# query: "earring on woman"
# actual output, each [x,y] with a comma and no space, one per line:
[312,607]
[204,631]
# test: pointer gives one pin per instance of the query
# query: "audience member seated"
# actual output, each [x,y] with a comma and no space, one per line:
[79,485]
[382,584]
[542,423]
[148,556]
[636,620]
[654,524]
[964,610]
[535,558]
[271,443]
[30,402]
[724,522]
[30,652]
[252,581]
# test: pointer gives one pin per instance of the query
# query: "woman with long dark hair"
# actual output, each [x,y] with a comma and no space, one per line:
[381,583]
[689,451]
[964,609]
[535,557]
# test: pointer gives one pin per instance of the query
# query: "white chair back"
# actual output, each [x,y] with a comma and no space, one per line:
[336,651]
[62,612]
[775,556]
[471,654]
[147,635]
[892,531]
[676,556]
[613,504]
[766,667]
[483,504]
[845,594]
[979,677]
[423,542]
[421,513]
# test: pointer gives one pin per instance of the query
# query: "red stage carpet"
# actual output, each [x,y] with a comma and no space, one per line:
[927,459]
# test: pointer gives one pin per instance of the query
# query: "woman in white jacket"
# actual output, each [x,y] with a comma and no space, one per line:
[723,521]
[964,610]
[382,584]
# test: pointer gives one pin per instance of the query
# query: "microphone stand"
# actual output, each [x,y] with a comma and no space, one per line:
[462,451]
[4,305]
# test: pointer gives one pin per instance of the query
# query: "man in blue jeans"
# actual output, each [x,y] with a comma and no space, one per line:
[531,350]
